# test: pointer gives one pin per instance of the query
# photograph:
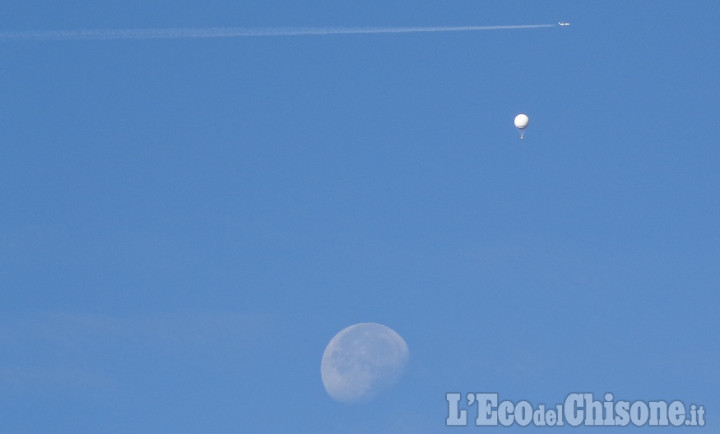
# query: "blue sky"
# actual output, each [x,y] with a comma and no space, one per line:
[186,223]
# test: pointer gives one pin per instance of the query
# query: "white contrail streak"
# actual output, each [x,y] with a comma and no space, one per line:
[235,32]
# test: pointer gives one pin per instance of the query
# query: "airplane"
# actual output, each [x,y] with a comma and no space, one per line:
[563,23]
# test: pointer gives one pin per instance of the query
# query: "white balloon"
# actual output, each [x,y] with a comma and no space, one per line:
[363,360]
[521,122]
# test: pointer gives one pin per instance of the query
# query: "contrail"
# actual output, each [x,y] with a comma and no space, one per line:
[237,32]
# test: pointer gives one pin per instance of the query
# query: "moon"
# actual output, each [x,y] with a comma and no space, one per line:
[362,361]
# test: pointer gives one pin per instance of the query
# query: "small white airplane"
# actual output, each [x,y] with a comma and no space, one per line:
[563,23]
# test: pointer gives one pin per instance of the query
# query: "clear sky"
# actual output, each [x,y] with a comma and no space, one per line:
[186,223]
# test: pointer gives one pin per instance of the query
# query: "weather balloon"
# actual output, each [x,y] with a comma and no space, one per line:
[521,122]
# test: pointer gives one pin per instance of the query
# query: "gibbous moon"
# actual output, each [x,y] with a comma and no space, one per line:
[363,360]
